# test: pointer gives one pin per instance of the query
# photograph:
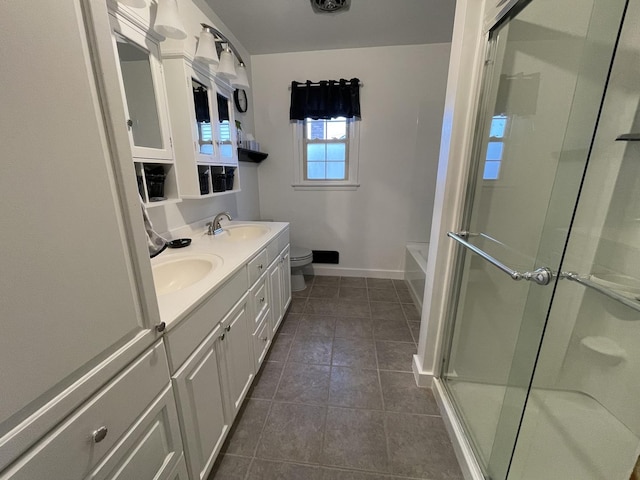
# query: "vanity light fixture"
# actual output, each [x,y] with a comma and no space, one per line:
[206,51]
[241,81]
[227,68]
[168,21]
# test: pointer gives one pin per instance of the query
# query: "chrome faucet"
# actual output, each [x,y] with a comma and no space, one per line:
[214,227]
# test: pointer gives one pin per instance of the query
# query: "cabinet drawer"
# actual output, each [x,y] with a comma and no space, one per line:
[257,266]
[259,299]
[151,447]
[185,337]
[261,340]
[75,447]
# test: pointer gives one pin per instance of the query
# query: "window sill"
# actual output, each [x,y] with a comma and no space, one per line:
[325,186]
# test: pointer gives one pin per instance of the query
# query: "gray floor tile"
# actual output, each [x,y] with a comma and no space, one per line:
[411,312]
[401,285]
[302,383]
[359,282]
[297,305]
[311,349]
[395,356]
[335,474]
[415,331]
[293,432]
[420,447]
[383,295]
[355,439]
[265,384]
[354,352]
[290,323]
[353,308]
[280,348]
[401,394]
[243,437]
[386,311]
[324,291]
[326,280]
[229,467]
[302,293]
[319,306]
[354,387]
[392,331]
[404,296]
[270,470]
[354,327]
[379,283]
[320,325]
[355,293]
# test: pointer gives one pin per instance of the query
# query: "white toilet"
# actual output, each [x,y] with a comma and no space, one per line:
[299,258]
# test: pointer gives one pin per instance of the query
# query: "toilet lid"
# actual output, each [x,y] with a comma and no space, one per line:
[299,253]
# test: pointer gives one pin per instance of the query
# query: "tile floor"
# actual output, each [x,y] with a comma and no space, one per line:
[336,399]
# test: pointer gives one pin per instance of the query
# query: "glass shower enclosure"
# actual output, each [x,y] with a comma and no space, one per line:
[542,357]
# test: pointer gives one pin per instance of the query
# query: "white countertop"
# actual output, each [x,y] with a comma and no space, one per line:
[177,305]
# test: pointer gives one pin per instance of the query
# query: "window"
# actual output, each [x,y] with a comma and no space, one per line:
[326,153]
[495,148]
[326,149]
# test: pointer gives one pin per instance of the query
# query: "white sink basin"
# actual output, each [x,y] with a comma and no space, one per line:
[180,271]
[240,233]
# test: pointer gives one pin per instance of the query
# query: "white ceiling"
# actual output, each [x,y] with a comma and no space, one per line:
[277,26]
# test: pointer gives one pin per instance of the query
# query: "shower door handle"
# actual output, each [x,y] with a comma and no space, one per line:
[541,276]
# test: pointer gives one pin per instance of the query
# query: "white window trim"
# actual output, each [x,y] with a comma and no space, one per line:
[299,182]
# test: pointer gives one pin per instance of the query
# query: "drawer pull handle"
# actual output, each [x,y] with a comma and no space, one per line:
[161,327]
[265,339]
[260,267]
[222,336]
[228,329]
[99,434]
[262,300]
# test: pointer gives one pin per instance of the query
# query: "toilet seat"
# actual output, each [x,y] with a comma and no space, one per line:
[300,255]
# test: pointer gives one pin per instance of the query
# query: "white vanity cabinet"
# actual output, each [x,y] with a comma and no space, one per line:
[144,95]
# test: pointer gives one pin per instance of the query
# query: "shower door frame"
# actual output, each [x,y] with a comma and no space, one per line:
[465,451]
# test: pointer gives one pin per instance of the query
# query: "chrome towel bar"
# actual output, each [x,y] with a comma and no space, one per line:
[541,276]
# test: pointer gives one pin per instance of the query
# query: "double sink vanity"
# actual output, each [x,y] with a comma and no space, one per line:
[221,300]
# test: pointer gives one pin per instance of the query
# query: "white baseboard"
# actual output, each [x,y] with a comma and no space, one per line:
[327,270]
[464,452]
[423,379]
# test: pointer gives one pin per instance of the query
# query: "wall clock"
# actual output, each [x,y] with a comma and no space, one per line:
[240,99]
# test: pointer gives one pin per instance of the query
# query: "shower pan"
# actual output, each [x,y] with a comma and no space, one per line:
[541,360]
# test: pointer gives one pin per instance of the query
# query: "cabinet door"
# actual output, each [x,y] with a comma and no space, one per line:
[285,272]
[237,349]
[275,290]
[144,91]
[200,406]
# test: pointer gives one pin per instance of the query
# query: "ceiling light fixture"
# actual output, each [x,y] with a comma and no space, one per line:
[329,6]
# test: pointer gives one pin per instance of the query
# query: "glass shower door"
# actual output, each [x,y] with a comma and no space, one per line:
[545,77]
[582,419]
